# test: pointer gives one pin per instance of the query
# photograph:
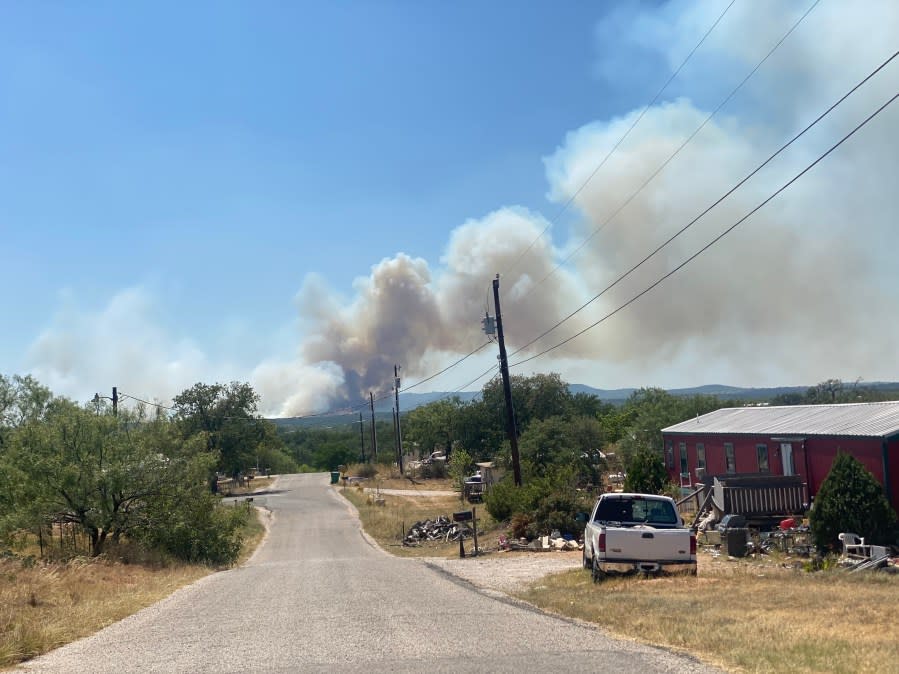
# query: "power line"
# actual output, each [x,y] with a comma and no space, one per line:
[448,367]
[147,402]
[717,238]
[665,163]
[713,205]
[623,137]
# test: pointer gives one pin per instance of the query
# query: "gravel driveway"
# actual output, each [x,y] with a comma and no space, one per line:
[508,572]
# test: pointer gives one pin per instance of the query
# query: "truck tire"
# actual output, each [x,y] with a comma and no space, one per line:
[598,574]
[588,564]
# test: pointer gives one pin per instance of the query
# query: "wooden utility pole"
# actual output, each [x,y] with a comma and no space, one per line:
[374,430]
[399,430]
[511,429]
[362,437]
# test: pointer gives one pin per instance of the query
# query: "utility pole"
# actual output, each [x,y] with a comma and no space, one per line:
[511,430]
[114,399]
[399,430]
[396,437]
[362,436]
[374,429]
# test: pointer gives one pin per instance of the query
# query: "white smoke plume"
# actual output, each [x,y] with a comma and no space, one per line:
[801,292]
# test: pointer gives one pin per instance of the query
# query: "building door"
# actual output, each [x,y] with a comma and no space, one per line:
[786,454]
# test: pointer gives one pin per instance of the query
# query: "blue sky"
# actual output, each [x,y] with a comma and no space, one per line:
[205,191]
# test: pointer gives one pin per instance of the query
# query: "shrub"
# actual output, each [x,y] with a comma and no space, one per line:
[540,506]
[367,470]
[504,500]
[520,525]
[558,511]
[851,500]
[200,530]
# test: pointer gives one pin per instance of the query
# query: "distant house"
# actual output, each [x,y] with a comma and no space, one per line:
[796,440]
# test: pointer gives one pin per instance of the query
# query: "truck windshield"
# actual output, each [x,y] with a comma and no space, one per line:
[643,511]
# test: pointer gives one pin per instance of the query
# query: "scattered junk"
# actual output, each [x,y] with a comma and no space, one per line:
[615,481]
[554,542]
[860,556]
[764,500]
[440,529]
[475,486]
[750,514]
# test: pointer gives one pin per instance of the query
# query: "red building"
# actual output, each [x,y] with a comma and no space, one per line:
[796,440]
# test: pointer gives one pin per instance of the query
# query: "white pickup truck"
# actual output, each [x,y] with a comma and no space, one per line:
[637,533]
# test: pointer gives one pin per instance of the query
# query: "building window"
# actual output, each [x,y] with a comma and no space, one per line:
[669,454]
[761,452]
[729,458]
[682,446]
[700,455]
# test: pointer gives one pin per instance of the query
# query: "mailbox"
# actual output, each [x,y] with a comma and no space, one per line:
[464,516]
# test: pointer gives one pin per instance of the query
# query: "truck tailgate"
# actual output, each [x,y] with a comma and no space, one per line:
[647,543]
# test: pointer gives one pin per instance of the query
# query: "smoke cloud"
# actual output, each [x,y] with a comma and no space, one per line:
[800,292]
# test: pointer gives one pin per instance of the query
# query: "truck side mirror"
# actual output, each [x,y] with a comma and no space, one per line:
[581,518]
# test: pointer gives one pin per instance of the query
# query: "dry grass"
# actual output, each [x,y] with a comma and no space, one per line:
[389,477]
[745,616]
[46,605]
[229,488]
[385,523]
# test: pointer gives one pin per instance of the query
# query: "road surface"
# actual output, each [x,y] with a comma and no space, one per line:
[317,596]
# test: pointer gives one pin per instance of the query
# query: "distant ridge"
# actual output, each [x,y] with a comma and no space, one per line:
[409,401]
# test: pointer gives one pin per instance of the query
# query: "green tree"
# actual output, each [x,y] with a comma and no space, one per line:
[432,427]
[646,473]
[99,472]
[562,441]
[21,399]
[226,417]
[851,500]
[652,409]
[459,466]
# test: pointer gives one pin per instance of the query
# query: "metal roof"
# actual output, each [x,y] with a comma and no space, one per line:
[877,420]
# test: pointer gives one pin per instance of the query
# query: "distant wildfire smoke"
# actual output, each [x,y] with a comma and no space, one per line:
[804,290]
[764,295]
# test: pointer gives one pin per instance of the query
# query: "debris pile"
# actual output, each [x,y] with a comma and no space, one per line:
[440,529]
[861,556]
[540,544]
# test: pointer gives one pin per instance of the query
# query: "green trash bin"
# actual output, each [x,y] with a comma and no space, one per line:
[335,477]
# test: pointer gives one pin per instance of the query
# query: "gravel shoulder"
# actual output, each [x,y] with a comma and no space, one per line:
[508,572]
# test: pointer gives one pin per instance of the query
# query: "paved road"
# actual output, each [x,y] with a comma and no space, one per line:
[318,597]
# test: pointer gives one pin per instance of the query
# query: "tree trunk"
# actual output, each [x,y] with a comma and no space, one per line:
[98,539]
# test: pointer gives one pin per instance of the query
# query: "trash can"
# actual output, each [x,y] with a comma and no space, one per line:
[335,476]
[735,541]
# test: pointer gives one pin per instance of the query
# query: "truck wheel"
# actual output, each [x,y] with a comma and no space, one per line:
[598,574]
[588,564]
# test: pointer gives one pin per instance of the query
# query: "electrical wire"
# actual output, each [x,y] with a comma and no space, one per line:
[717,238]
[674,154]
[713,205]
[622,138]
[403,389]
[146,402]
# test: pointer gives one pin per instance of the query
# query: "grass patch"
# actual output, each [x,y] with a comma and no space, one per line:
[744,616]
[388,477]
[45,605]
[386,523]
[256,484]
